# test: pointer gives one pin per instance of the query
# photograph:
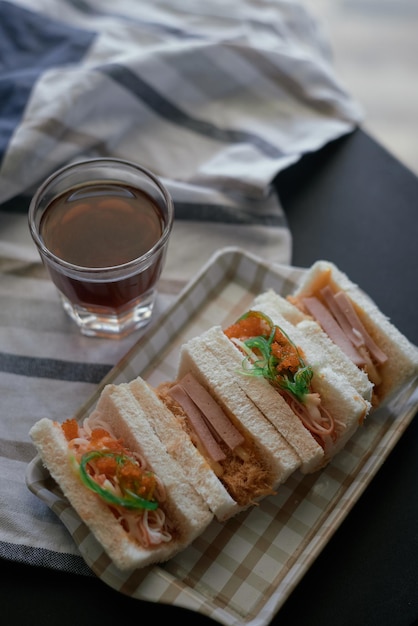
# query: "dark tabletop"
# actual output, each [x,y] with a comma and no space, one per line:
[354,204]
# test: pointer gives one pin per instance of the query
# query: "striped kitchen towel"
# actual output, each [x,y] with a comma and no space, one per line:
[216,98]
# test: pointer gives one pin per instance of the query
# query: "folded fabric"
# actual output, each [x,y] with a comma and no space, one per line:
[216,98]
[214,93]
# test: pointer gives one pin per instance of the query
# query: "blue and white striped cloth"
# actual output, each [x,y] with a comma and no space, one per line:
[215,97]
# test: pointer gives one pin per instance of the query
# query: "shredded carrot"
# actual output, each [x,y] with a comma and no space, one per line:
[288,356]
[101,439]
[133,478]
[254,326]
[282,363]
[247,327]
[106,465]
[98,434]
[70,428]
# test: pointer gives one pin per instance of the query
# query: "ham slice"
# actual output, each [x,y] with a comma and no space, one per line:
[347,307]
[197,421]
[332,328]
[330,301]
[336,314]
[212,412]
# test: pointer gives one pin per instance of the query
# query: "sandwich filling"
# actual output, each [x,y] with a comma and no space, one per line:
[121,478]
[334,311]
[228,449]
[270,353]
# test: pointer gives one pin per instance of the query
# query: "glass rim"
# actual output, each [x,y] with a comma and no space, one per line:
[81,269]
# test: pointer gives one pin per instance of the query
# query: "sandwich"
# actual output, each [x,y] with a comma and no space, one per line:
[125,486]
[282,389]
[218,363]
[319,349]
[355,323]
[182,441]
[238,448]
[283,363]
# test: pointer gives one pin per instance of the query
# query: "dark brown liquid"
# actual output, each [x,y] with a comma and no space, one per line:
[101,226]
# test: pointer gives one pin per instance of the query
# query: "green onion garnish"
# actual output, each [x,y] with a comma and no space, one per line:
[129,500]
[298,383]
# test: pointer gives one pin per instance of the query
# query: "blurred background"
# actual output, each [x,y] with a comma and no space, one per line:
[375,54]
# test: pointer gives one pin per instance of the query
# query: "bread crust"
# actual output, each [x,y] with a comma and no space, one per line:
[184,507]
[137,415]
[339,397]
[214,360]
[274,415]
[179,445]
[402,364]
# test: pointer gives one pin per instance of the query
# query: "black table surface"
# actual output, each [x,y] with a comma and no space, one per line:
[356,205]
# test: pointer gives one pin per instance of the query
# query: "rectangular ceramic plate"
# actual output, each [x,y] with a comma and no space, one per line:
[242,571]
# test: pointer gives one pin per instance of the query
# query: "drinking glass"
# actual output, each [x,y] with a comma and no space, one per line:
[102,228]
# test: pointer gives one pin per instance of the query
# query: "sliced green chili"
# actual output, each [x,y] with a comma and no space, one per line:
[129,500]
[298,384]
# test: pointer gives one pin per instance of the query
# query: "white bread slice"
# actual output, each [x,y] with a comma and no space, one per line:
[402,364]
[220,362]
[207,358]
[324,352]
[183,506]
[338,396]
[179,445]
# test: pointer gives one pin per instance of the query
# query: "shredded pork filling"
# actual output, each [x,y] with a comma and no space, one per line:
[238,463]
